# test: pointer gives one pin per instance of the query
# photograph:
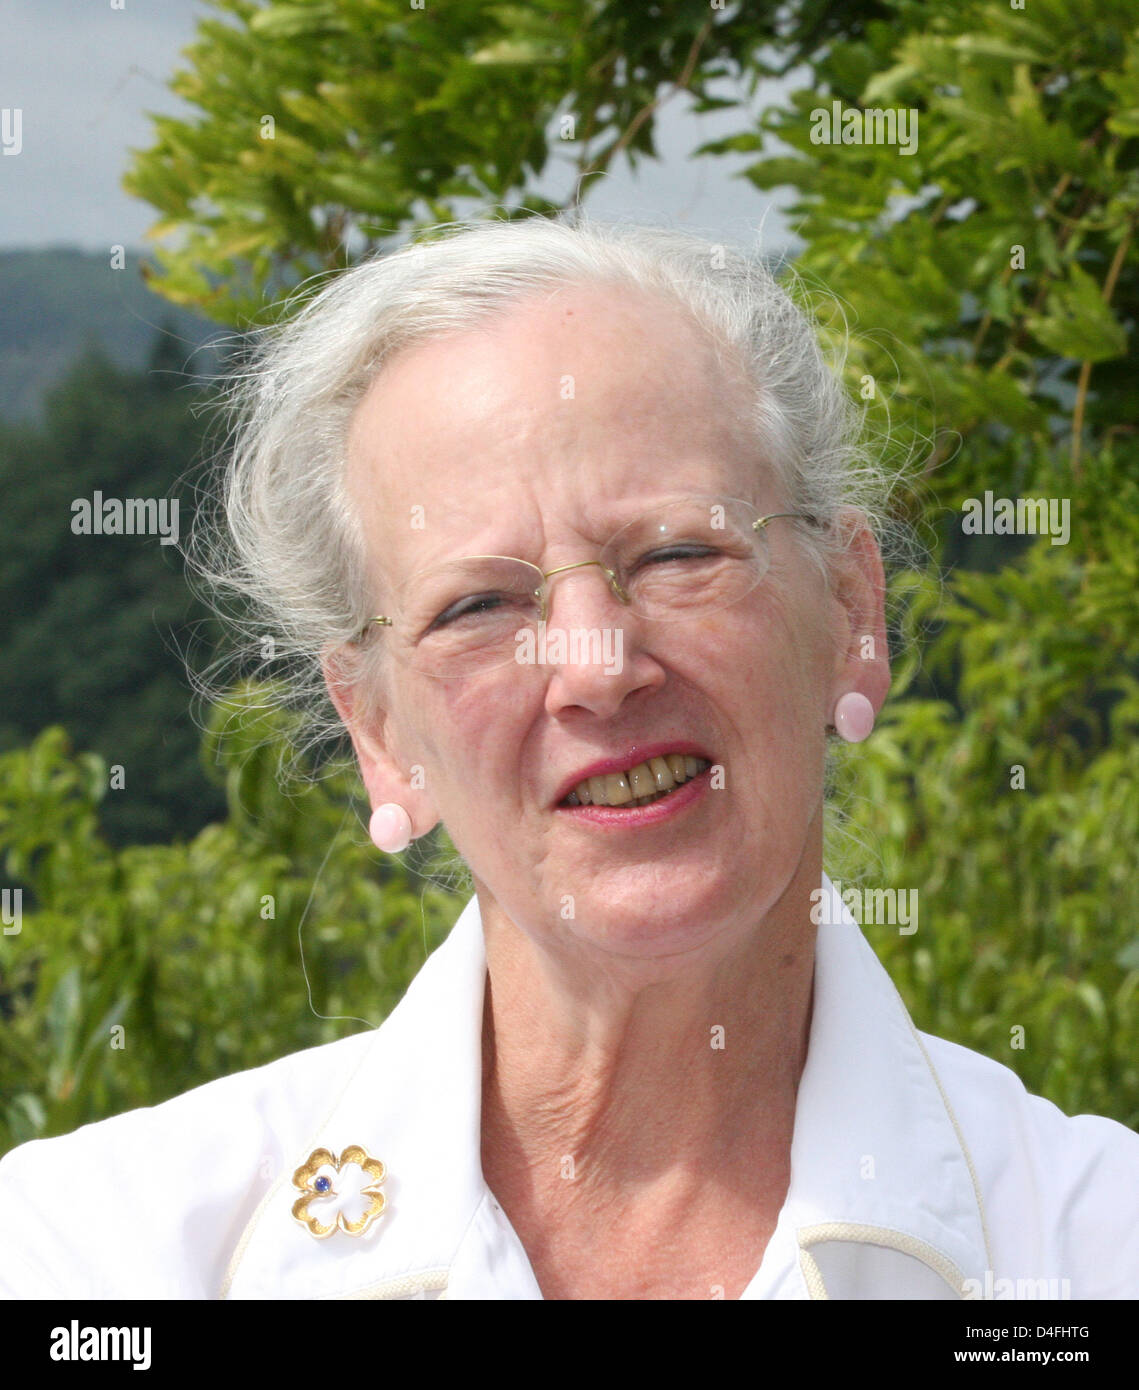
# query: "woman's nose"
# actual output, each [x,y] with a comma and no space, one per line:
[593,643]
[578,592]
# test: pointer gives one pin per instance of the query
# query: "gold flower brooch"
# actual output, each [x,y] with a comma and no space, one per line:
[339,1193]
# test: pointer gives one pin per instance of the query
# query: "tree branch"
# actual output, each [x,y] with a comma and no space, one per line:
[681,84]
[1086,366]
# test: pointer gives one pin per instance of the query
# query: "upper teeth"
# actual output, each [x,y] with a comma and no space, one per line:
[639,784]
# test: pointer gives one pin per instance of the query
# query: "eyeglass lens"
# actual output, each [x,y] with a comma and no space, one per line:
[686,559]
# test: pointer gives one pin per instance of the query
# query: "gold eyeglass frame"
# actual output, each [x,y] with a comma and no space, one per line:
[541,593]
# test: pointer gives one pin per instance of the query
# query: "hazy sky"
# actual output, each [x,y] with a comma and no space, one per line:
[84,76]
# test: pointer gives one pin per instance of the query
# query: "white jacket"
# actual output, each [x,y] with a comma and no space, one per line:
[919,1169]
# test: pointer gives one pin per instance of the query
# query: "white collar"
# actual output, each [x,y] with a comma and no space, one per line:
[877,1155]
[877,1158]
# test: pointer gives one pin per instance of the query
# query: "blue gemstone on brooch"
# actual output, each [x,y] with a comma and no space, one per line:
[323,1184]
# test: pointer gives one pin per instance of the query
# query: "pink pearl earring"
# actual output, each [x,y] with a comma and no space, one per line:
[853,716]
[390,828]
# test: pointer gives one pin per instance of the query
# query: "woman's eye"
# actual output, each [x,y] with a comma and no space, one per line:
[676,552]
[464,607]
[476,606]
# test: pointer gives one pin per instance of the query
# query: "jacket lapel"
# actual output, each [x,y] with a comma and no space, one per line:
[877,1157]
[414,1104]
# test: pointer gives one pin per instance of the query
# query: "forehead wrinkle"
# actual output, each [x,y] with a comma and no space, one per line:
[676,401]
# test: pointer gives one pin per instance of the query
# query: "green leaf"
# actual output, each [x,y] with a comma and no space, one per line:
[280,22]
[1078,323]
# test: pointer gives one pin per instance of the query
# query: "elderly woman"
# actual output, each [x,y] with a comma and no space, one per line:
[564,516]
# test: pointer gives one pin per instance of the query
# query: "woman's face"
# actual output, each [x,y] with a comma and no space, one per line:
[537,436]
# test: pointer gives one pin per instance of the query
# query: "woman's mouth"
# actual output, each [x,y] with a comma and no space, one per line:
[646,782]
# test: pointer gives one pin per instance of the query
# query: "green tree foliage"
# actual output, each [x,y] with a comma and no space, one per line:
[141,972]
[321,129]
[987,274]
[92,627]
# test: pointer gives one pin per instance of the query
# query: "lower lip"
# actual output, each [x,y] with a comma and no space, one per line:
[613,817]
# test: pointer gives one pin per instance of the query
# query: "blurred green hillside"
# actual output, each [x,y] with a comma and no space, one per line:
[94,628]
[58,303]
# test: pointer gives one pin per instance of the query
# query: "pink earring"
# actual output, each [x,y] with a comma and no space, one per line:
[390,828]
[853,716]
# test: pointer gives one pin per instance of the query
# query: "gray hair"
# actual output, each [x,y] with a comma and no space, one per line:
[283,540]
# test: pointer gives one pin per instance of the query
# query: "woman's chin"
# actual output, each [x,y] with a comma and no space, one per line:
[659,926]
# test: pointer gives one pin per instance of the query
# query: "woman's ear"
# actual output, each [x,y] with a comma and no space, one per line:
[359,705]
[862,656]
